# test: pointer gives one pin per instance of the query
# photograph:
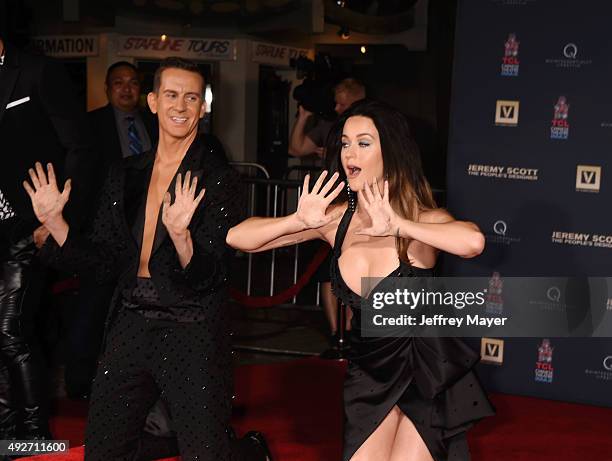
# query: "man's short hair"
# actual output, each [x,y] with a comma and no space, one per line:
[116,65]
[175,63]
[351,86]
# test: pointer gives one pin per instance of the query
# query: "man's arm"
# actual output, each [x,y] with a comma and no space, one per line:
[300,144]
[101,250]
[223,208]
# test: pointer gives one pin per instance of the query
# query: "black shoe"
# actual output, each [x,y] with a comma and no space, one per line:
[261,450]
[333,353]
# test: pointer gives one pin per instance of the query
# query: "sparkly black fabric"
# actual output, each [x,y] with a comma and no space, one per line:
[183,353]
[185,364]
[429,379]
[112,248]
[6,211]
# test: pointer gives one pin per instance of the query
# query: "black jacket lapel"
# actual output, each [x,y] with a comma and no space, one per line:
[10,72]
[137,179]
[191,162]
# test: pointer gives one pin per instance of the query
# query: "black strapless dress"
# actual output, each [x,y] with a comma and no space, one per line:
[429,379]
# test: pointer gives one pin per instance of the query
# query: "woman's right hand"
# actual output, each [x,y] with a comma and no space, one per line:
[312,206]
[47,201]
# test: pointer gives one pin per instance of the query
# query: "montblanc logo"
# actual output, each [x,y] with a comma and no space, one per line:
[570,51]
[570,60]
[553,294]
[605,374]
[500,228]
[552,302]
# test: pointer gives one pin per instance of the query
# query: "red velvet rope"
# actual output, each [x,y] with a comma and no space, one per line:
[249,301]
[283,296]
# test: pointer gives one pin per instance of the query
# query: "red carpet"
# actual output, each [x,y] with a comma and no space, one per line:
[298,406]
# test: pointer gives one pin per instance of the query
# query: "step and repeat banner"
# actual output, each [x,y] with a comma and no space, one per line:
[530,161]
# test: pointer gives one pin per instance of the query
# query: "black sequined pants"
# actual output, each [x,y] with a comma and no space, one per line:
[186,364]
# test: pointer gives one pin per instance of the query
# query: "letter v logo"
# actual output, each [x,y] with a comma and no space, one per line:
[507,113]
[492,351]
[588,178]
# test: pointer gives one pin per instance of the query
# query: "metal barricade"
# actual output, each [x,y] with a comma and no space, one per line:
[280,199]
[273,198]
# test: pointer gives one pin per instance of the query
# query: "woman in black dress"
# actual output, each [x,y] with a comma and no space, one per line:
[405,398]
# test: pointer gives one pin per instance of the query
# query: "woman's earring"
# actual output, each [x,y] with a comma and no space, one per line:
[351,198]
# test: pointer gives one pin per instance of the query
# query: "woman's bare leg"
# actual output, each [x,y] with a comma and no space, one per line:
[378,446]
[408,444]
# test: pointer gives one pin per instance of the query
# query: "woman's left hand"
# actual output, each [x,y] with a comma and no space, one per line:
[383,218]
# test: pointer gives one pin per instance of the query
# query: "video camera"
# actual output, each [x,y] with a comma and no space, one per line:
[316,91]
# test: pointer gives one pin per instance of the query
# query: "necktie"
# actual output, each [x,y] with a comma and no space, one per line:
[135,143]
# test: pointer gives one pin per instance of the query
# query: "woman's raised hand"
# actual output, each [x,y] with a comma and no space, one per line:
[47,201]
[377,206]
[312,206]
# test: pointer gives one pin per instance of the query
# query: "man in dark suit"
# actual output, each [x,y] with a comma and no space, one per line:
[119,129]
[159,231]
[39,121]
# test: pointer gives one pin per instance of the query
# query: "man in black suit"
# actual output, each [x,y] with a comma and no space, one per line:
[119,129]
[39,121]
[159,231]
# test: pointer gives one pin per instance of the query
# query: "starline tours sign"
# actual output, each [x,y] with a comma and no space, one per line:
[197,48]
[279,55]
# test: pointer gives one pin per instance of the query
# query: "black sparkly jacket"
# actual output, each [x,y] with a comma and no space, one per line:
[112,247]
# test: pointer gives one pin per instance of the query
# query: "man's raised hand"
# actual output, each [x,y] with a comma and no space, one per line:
[47,201]
[177,216]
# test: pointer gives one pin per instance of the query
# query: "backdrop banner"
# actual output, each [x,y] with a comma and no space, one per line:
[529,162]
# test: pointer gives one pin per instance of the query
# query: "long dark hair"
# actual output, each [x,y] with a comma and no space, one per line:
[409,190]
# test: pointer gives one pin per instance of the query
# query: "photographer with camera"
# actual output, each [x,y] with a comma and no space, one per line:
[304,143]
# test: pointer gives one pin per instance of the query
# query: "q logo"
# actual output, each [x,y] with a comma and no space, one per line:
[554,294]
[607,363]
[500,227]
[570,51]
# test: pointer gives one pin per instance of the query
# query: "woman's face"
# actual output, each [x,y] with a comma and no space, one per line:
[361,154]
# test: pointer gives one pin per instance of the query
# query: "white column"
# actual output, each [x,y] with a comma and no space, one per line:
[235,104]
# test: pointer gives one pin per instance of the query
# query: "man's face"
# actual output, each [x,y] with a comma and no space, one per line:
[123,89]
[178,103]
[343,101]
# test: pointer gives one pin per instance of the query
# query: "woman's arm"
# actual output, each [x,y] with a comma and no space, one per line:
[436,228]
[260,234]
